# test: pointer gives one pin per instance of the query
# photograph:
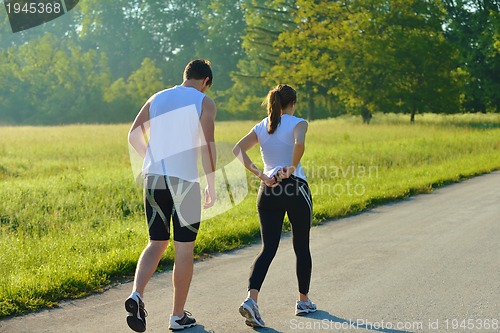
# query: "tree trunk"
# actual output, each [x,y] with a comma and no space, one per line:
[310,112]
[366,114]
[412,117]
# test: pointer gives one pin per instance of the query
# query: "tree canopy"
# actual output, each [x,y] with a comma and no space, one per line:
[102,60]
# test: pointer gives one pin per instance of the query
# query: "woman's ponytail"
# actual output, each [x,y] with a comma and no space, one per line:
[273,110]
[277,100]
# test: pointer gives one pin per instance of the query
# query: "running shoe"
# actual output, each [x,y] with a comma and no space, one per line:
[136,318]
[303,308]
[180,323]
[250,310]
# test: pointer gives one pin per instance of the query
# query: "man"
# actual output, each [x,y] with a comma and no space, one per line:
[180,121]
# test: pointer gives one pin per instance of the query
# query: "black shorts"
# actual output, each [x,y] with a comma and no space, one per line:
[168,198]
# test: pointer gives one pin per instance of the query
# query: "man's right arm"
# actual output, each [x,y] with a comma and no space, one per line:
[137,133]
[208,151]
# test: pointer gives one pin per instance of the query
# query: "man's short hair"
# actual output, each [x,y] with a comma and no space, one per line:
[198,69]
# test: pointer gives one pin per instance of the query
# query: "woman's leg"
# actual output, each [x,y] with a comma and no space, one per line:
[271,222]
[300,215]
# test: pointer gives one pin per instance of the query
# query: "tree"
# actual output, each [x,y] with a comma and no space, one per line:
[125,32]
[387,56]
[124,98]
[119,29]
[305,54]
[474,28]
[222,25]
[13,106]
[52,81]
[176,33]
[265,21]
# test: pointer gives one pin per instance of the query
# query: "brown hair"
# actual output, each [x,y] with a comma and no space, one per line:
[278,99]
[199,69]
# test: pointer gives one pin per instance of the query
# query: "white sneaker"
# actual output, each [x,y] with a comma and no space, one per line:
[180,323]
[303,308]
[250,310]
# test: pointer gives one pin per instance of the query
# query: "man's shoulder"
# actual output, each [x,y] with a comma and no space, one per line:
[160,93]
[208,100]
[208,104]
[166,90]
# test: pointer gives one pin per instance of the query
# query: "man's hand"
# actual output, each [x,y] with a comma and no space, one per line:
[210,197]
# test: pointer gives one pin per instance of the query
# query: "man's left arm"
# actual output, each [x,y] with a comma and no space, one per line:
[208,151]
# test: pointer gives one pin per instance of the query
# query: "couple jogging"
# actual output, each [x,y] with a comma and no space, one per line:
[180,122]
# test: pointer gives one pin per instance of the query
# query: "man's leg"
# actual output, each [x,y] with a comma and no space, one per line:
[148,263]
[182,275]
[186,222]
[158,206]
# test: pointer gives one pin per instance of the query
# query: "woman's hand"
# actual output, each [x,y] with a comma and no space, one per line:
[270,182]
[286,172]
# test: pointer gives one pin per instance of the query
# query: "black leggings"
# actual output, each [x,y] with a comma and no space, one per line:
[293,197]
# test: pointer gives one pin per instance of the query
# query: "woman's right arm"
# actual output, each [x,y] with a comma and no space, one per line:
[240,151]
[299,134]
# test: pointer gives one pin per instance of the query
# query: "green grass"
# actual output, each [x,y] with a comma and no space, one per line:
[71,219]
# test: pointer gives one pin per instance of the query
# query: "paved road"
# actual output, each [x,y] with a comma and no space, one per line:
[418,265]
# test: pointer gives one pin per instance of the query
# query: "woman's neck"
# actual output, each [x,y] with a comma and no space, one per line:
[289,111]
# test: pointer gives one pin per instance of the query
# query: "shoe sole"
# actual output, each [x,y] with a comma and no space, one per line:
[182,328]
[133,322]
[304,312]
[250,319]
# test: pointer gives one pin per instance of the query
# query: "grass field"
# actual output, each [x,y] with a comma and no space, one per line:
[71,218]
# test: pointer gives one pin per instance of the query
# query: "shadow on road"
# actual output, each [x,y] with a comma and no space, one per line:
[328,318]
[199,329]
[266,330]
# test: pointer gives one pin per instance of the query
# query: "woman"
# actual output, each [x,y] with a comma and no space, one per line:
[283,189]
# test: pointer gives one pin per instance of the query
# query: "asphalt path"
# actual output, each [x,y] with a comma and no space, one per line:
[430,263]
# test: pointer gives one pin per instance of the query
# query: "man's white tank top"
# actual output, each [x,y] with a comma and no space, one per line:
[277,149]
[175,133]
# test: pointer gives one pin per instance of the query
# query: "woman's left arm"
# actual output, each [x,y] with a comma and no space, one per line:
[299,147]
[240,151]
